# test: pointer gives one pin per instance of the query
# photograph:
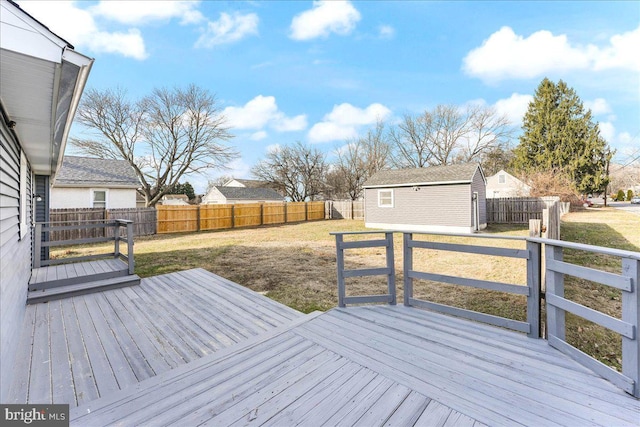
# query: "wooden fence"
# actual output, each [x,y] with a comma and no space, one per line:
[517,210]
[345,209]
[176,219]
[144,220]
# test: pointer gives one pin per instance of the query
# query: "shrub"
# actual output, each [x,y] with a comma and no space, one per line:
[620,196]
[629,194]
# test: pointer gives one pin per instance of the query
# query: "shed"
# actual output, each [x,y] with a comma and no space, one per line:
[88,182]
[241,195]
[438,198]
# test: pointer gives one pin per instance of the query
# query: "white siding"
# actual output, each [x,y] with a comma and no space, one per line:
[62,197]
[15,256]
[511,187]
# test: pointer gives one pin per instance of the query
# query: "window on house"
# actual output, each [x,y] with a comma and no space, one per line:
[385,198]
[100,199]
[501,179]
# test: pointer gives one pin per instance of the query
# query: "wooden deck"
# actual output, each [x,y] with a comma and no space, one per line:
[382,365]
[76,272]
[78,349]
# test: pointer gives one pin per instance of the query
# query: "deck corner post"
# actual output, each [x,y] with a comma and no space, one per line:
[407,251]
[534,283]
[116,238]
[340,270]
[554,286]
[391,278]
[631,314]
[37,247]
[130,259]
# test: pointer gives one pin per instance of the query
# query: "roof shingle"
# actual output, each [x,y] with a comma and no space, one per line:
[244,193]
[430,175]
[89,171]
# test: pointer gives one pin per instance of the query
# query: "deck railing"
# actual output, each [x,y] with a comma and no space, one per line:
[531,290]
[556,304]
[43,228]
[388,270]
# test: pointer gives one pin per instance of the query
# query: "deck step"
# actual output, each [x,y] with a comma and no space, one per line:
[52,294]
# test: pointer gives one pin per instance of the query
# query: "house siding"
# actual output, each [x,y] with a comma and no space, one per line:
[435,206]
[64,198]
[15,255]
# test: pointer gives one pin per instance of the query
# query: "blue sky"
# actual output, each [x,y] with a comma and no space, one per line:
[322,72]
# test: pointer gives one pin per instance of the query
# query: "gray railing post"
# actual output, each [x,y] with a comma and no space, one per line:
[534,263]
[116,239]
[130,247]
[340,268]
[391,278]
[37,247]
[631,314]
[407,252]
[555,286]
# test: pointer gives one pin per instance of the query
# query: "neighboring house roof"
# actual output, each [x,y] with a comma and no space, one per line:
[175,197]
[243,193]
[433,175]
[92,172]
[248,183]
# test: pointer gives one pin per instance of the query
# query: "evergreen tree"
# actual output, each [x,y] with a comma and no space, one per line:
[186,189]
[559,135]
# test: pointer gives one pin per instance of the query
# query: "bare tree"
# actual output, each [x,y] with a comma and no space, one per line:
[357,161]
[448,134]
[163,136]
[298,171]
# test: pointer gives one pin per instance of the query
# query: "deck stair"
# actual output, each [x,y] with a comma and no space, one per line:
[85,287]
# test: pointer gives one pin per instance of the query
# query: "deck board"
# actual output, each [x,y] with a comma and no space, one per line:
[106,341]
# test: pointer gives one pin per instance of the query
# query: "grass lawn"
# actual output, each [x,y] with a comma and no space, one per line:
[295,264]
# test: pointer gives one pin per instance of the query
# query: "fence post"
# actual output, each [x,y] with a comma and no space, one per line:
[631,314]
[555,286]
[233,216]
[534,285]
[261,213]
[306,211]
[340,268]
[37,248]
[407,252]
[285,212]
[130,247]
[198,227]
[116,238]
[391,278]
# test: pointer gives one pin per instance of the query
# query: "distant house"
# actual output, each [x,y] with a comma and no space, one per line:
[503,184]
[247,183]
[231,195]
[86,182]
[439,198]
[175,200]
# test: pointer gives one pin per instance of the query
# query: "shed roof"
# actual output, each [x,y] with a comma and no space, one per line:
[89,171]
[433,175]
[244,193]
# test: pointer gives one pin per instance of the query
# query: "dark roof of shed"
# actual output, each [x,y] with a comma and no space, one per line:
[461,173]
[244,193]
[89,171]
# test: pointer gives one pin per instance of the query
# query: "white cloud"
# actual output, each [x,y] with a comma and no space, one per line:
[514,107]
[598,106]
[260,112]
[607,131]
[79,28]
[258,136]
[507,55]
[344,120]
[324,18]
[228,29]
[386,32]
[135,12]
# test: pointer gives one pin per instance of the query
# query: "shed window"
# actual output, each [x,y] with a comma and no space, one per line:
[100,199]
[501,179]
[385,198]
